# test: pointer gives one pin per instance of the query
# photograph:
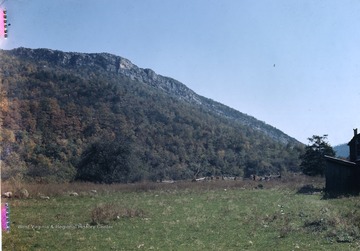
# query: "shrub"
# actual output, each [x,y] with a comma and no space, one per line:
[103,214]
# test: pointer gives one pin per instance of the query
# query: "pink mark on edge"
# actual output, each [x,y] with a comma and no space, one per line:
[4,219]
[2,24]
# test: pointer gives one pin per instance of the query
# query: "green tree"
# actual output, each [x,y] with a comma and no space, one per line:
[107,162]
[313,161]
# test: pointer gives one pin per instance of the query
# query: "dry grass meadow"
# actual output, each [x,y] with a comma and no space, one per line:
[287,214]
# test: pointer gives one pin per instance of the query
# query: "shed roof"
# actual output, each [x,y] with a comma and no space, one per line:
[340,161]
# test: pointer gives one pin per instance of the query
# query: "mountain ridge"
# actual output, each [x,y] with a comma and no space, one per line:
[342,150]
[99,118]
[122,66]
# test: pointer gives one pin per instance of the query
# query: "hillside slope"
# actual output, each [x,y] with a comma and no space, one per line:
[58,109]
[342,150]
[123,67]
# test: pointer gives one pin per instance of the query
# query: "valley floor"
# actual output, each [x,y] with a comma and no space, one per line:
[214,215]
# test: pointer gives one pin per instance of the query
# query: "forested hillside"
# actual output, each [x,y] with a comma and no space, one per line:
[61,123]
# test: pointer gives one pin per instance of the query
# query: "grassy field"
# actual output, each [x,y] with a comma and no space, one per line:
[216,215]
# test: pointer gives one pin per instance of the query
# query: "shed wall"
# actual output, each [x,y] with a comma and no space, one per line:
[342,178]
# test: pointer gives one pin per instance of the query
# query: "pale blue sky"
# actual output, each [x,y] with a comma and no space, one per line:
[224,50]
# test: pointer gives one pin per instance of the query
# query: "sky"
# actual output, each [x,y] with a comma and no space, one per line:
[294,64]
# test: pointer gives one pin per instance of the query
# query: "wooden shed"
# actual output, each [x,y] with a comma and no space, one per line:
[354,145]
[343,176]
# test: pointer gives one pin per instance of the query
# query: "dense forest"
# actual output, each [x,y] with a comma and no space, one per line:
[61,125]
